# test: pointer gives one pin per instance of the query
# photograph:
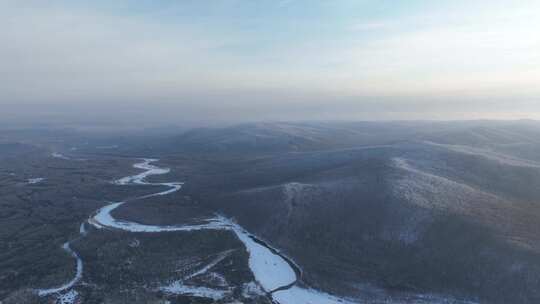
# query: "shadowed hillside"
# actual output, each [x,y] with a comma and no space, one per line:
[392,210]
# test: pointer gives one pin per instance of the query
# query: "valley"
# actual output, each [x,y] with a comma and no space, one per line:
[375,220]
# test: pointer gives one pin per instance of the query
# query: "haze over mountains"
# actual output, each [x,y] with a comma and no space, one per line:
[106,62]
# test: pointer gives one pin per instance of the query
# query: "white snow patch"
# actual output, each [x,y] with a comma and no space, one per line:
[269,269]
[82,229]
[68,298]
[173,188]
[177,287]
[59,155]
[139,178]
[431,191]
[103,218]
[107,147]
[251,290]
[205,269]
[36,180]
[292,190]
[298,295]
[217,279]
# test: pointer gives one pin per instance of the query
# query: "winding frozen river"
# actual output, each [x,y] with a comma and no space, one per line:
[275,273]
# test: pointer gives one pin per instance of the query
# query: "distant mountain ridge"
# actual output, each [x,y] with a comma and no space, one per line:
[447,208]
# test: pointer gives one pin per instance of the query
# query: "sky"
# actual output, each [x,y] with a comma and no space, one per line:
[167,61]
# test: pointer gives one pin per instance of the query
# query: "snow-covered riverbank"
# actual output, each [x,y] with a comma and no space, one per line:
[104,219]
[70,284]
[274,273]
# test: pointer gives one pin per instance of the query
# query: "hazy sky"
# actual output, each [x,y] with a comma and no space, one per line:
[172,60]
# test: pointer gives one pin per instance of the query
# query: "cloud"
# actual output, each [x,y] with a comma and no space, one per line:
[233,65]
[55,52]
